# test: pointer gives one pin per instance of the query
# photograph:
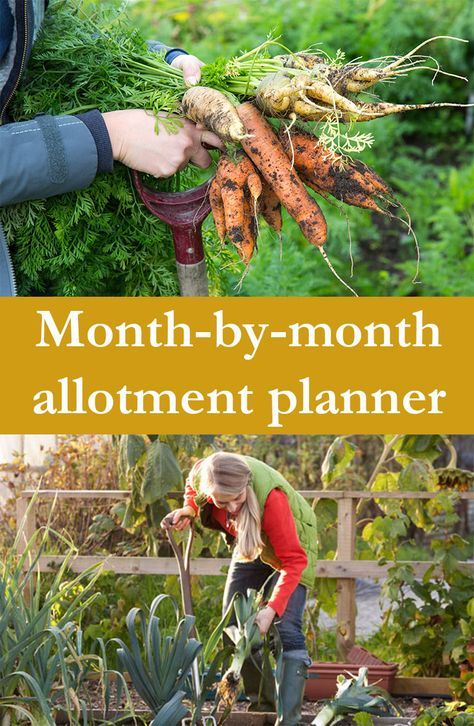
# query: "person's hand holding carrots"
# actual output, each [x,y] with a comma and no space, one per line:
[136,143]
[191,67]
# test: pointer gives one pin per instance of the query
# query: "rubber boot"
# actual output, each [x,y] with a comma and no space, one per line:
[259,688]
[294,676]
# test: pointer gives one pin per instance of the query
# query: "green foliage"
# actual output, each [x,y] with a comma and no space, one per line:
[418,475]
[101,240]
[159,667]
[383,534]
[149,468]
[462,653]
[419,446]
[338,457]
[324,648]
[423,623]
[131,449]
[162,473]
[97,241]
[421,627]
[43,665]
[454,713]
[363,719]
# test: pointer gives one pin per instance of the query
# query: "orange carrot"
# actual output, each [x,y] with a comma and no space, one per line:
[329,172]
[270,208]
[238,181]
[233,199]
[268,155]
[217,207]
[247,246]
[254,184]
[355,198]
[240,221]
[238,171]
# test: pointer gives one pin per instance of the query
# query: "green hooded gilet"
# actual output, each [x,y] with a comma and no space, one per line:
[263,480]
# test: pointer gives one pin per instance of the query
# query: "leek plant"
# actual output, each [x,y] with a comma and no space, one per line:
[354,695]
[246,640]
[245,636]
[42,666]
[159,667]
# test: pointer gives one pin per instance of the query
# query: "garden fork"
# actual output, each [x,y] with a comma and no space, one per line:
[184,212]
[183,558]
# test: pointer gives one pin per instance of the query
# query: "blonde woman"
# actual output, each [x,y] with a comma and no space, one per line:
[274,531]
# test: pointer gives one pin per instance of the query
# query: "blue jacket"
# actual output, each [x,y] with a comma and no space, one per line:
[50,154]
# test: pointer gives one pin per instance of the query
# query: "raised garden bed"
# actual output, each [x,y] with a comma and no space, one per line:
[322,676]
[268,719]
[408,706]
[422,689]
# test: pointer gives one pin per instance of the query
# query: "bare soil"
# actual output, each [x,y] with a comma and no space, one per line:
[408,707]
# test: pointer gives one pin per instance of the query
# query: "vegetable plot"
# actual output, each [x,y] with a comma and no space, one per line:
[259,105]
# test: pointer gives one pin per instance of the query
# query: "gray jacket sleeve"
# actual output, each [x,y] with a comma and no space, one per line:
[157,46]
[170,54]
[46,156]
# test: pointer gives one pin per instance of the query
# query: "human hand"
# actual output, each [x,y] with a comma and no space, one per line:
[179,519]
[136,144]
[264,619]
[191,67]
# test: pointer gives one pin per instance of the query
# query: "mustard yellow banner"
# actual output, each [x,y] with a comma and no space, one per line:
[236,365]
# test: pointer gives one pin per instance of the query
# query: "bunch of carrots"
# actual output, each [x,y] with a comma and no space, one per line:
[265,169]
[273,169]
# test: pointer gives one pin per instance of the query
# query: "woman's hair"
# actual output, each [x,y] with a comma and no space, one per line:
[228,475]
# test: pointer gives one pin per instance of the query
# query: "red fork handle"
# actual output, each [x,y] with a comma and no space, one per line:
[184,212]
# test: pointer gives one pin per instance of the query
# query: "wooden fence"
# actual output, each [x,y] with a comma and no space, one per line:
[344,568]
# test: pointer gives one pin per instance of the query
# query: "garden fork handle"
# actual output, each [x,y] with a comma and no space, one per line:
[183,568]
[184,564]
[184,212]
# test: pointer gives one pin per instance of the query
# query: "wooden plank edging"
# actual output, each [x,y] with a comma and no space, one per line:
[420,686]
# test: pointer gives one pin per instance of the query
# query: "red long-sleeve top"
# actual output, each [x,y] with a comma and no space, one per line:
[279,526]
